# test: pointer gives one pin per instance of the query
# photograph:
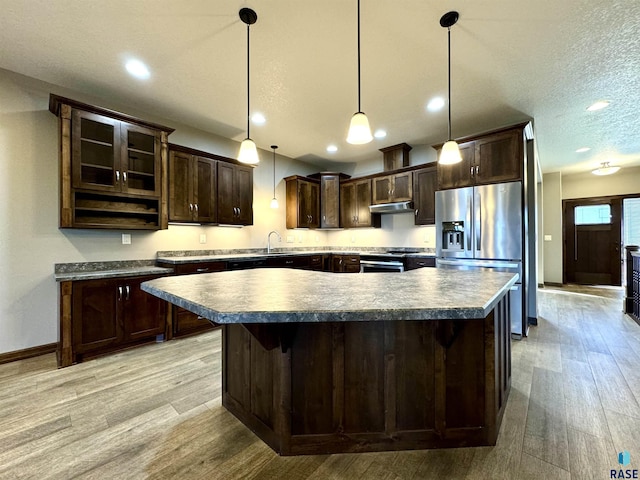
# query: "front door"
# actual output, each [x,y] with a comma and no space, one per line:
[592,241]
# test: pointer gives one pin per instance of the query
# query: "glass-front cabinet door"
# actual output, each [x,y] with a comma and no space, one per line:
[96,151]
[140,166]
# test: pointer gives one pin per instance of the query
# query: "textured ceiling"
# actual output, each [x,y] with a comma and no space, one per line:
[511,60]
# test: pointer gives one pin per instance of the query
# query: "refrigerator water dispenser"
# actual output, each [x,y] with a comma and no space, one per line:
[453,236]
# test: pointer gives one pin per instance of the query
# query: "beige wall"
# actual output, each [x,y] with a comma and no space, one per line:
[31,242]
[584,185]
[552,226]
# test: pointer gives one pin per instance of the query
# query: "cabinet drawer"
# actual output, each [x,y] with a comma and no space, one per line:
[186,322]
[411,263]
[316,262]
[200,267]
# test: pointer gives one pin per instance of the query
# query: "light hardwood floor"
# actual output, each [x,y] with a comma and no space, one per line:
[155,412]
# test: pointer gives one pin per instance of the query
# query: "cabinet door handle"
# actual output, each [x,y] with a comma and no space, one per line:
[119,294]
[124,177]
[191,208]
[127,289]
[477,169]
[201,270]
[117,175]
[324,218]
[416,214]
[471,171]
[195,206]
[288,262]
[239,211]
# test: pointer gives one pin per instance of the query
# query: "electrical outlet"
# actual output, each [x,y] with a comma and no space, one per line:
[289,238]
[547,238]
[126,239]
[353,239]
[203,238]
[299,238]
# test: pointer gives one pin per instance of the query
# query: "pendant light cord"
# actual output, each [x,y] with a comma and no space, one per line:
[274,172]
[449,75]
[359,56]
[248,95]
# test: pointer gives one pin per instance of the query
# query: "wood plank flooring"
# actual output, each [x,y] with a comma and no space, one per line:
[155,412]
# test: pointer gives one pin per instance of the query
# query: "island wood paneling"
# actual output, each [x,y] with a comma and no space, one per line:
[370,386]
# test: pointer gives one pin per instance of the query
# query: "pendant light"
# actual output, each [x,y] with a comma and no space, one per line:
[359,130]
[274,200]
[605,169]
[248,151]
[450,153]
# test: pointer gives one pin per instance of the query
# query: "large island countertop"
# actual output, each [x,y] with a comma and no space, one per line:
[285,295]
[317,362]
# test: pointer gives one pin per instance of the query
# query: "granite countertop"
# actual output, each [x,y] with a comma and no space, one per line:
[97,270]
[176,259]
[179,259]
[285,295]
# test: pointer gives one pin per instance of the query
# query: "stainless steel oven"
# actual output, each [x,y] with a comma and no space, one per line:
[381,266]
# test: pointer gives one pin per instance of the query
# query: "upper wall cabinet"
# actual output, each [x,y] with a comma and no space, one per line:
[192,188]
[393,188]
[112,168]
[425,183]
[235,194]
[303,202]
[329,197]
[493,157]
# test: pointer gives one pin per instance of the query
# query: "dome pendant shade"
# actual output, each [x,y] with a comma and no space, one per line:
[450,154]
[274,202]
[605,169]
[359,130]
[248,152]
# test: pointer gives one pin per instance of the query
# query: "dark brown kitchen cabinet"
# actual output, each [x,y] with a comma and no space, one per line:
[112,168]
[493,157]
[329,198]
[425,184]
[355,198]
[411,263]
[100,316]
[184,322]
[192,188]
[393,188]
[303,202]
[235,194]
[345,263]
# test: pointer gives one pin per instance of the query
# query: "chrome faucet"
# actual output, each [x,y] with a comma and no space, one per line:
[269,240]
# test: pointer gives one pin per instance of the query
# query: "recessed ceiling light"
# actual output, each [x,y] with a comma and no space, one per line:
[258,118]
[137,69]
[380,134]
[598,106]
[332,149]
[583,149]
[435,104]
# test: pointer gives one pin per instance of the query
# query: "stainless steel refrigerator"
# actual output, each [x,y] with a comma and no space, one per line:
[481,228]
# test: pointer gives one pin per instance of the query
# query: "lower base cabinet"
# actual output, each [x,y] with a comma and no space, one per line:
[101,316]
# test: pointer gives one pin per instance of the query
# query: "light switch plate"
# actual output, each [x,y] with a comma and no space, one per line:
[547,238]
[126,239]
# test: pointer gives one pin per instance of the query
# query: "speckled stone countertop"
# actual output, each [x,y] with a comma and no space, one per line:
[97,270]
[197,256]
[284,295]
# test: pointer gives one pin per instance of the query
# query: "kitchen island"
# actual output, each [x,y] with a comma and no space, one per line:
[315,362]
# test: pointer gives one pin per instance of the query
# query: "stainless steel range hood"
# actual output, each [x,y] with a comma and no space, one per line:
[396,207]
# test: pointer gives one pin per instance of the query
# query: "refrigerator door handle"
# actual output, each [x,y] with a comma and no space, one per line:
[467,227]
[478,221]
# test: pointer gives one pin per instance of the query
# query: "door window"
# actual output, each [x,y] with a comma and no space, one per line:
[593,214]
